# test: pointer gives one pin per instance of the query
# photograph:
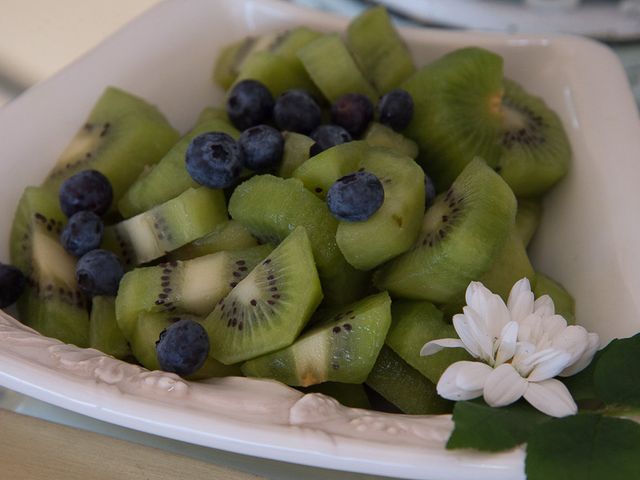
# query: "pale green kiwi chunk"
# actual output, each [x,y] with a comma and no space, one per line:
[169,178]
[535,149]
[343,348]
[213,113]
[296,152]
[462,234]
[166,227]
[271,207]
[379,50]
[122,136]
[457,112]
[226,236]
[528,218]
[415,323]
[269,307]
[404,386]
[333,69]
[104,333]
[563,302]
[378,135]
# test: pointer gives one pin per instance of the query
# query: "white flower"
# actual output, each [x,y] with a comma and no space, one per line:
[521,346]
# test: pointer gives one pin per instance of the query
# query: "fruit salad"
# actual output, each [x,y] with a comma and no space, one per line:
[318,228]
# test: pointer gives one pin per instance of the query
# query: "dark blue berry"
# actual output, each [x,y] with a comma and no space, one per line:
[396,109]
[82,233]
[297,111]
[353,112]
[12,282]
[98,272]
[327,136]
[250,103]
[261,147]
[429,191]
[183,347]
[88,190]
[355,197]
[214,160]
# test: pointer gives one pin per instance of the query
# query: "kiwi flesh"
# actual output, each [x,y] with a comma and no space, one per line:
[226,236]
[122,135]
[169,178]
[213,113]
[166,227]
[343,348]
[462,234]
[267,309]
[528,218]
[379,135]
[379,50]
[563,302]
[296,151]
[104,333]
[402,385]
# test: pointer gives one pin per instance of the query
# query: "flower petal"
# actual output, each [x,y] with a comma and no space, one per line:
[549,366]
[551,397]
[543,306]
[593,342]
[472,377]
[470,330]
[498,315]
[520,302]
[435,346]
[448,386]
[506,344]
[504,386]
[574,340]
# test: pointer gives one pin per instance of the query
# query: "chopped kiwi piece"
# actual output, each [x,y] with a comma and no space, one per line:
[122,135]
[213,113]
[415,323]
[348,394]
[402,385]
[343,348]
[528,218]
[563,302]
[192,286]
[379,50]
[270,207]
[229,236]
[457,112]
[169,178]
[104,333]
[462,235]
[378,135]
[535,149]
[333,69]
[269,307]
[395,226]
[296,152]
[166,227]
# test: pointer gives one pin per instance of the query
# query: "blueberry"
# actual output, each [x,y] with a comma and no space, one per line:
[88,190]
[98,272]
[250,103]
[327,136]
[396,109]
[82,233]
[214,159]
[355,197]
[353,112]
[429,191]
[12,282]
[261,147]
[297,111]
[183,347]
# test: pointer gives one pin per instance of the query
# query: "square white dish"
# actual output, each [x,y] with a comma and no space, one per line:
[587,239]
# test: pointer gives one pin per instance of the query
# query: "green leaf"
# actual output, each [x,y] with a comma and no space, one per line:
[616,377]
[482,427]
[584,447]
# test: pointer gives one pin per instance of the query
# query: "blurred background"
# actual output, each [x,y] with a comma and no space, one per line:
[39,37]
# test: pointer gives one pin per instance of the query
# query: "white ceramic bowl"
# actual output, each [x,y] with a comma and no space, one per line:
[587,240]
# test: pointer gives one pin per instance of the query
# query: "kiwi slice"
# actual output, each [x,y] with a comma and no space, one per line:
[333,69]
[104,333]
[166,227]
[402,385]
[192,286]
[535,149]
[343,348]
[122,135]
[563,302]
[528,218]
[213,113]
[348,394]
[379,50]
[296,152]
[416,323]
[458,112]
[169,178]
[462,235]
[270,207]
[268,308]
[378,135]
[226,236]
